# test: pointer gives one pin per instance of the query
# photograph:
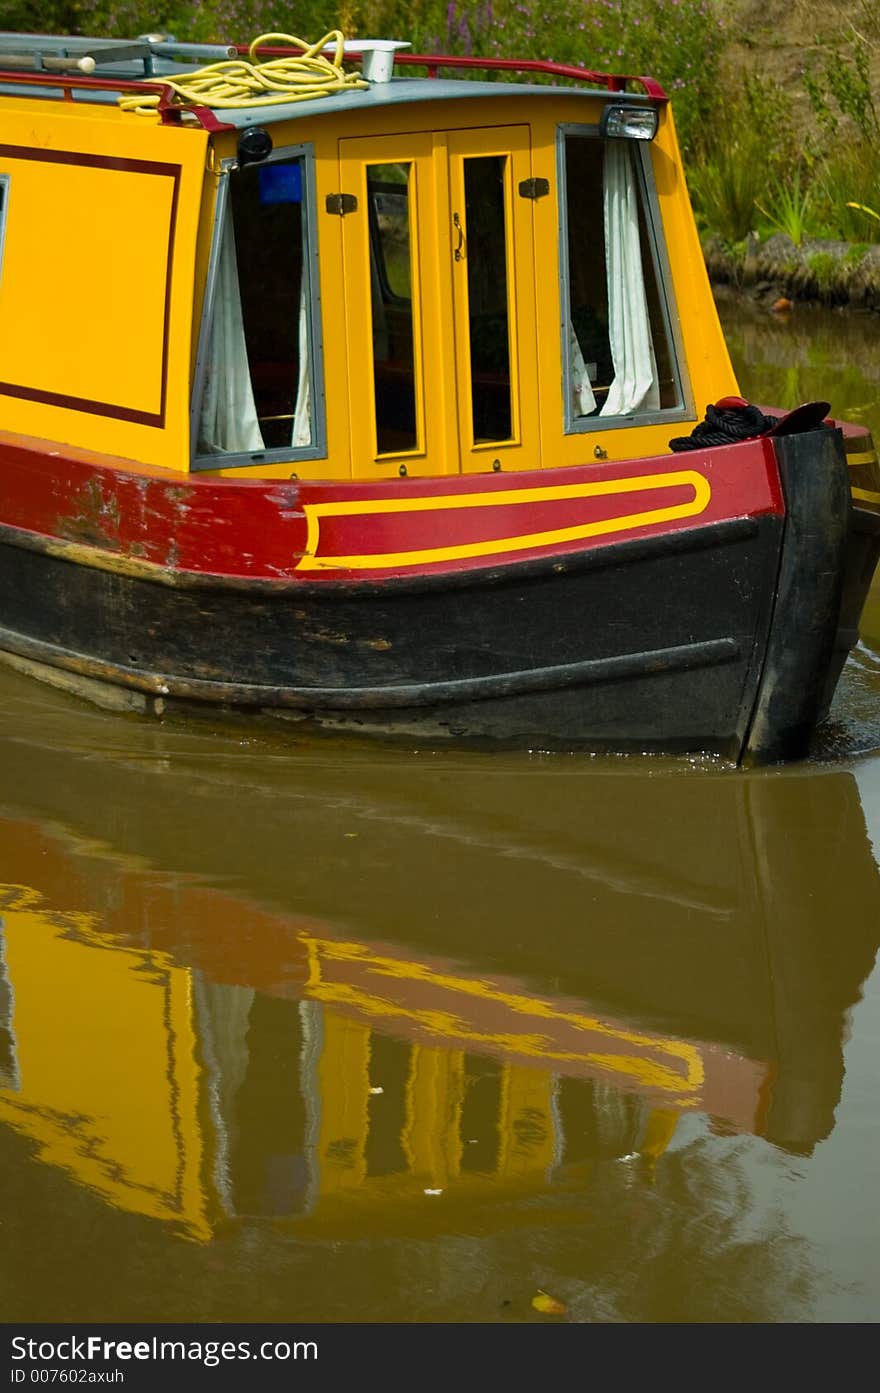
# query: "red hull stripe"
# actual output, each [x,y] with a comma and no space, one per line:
[414,532]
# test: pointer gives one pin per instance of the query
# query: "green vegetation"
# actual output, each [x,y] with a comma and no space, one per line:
[804,161]
[824,268]
[790,207]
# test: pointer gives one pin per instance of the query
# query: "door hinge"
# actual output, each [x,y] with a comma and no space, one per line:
[534,188]
[341,203]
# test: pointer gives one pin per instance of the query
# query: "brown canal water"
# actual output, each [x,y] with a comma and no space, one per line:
[299,1030]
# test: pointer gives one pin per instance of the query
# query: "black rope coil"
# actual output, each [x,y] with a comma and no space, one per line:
[725,425]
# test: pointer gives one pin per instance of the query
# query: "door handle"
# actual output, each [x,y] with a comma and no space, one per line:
[459,250]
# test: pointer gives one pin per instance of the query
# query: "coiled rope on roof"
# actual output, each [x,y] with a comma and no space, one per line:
[240,82]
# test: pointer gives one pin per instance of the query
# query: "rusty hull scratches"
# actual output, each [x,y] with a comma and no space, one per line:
[313,630]
[178,526]
[126,515]
[94,519]
[137,526]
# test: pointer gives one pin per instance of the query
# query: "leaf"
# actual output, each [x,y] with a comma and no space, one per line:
[863,209]
[548,1305]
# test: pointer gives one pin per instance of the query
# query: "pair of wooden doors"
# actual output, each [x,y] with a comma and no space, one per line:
[439,296]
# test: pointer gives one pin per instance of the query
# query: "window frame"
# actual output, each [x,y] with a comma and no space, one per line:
[284,453]
[683,409]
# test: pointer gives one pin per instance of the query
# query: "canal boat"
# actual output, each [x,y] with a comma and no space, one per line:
[362,387]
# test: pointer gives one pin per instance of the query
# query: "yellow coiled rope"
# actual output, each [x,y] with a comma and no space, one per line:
[237,82]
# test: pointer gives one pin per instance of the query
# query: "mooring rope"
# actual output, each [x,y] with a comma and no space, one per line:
[239,82]
[724,425]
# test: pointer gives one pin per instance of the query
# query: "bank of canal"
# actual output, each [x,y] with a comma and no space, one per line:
[819,271]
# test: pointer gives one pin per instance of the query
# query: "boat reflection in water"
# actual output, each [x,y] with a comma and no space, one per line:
[473,1003]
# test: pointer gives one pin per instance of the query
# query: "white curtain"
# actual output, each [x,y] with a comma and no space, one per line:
[634,386]
[229,417]
[302,412]
[582,399]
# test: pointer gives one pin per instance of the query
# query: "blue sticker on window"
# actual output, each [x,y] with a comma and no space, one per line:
[280,183]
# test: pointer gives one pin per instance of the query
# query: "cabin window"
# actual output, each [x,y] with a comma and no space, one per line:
[394,383]
[487,292]
[258,370]
[617,343]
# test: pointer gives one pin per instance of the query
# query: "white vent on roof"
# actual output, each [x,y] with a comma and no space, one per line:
[378,56]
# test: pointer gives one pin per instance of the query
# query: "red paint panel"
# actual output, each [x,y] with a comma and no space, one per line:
[257,528]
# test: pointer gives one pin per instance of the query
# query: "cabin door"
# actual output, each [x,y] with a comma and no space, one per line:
[439,278]
[493,295]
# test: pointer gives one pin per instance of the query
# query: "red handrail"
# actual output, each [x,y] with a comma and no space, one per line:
[614,82]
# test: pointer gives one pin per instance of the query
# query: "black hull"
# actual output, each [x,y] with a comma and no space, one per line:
[650,645]
[827,564]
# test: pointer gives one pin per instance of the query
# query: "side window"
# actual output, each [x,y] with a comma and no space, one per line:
[260,360]
[388,188]
[488,290]
[617,346]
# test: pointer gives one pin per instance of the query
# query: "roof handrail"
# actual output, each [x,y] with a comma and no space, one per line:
[613,82]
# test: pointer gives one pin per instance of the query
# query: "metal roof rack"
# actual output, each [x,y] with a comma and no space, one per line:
[58,53]
[71,53]
[96,69]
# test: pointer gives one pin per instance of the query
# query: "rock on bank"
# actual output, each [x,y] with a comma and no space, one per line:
[829,272]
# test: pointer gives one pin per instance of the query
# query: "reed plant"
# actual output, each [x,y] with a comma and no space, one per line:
[725,185]
[841,89]
[789,207]
[741,154]
[841,86]
[845,183]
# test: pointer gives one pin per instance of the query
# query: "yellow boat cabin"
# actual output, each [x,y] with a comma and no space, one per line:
[405,273]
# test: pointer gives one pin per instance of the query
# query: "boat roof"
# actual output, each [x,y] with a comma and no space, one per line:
[153,58]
